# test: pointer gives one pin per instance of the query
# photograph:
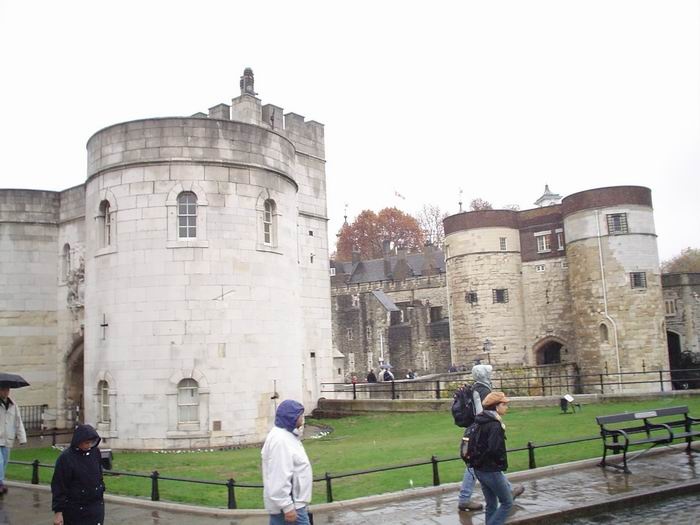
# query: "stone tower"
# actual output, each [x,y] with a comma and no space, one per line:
[615,279]
[483,262]
[206,274]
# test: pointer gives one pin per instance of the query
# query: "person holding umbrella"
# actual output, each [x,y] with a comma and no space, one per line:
[11,426]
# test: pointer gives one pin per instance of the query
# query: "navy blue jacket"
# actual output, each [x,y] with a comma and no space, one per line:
[77,484]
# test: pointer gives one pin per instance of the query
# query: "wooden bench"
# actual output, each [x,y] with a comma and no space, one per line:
[618,437]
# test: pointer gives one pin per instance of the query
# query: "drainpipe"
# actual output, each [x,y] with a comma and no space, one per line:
[605,301]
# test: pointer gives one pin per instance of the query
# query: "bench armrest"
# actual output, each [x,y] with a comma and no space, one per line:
[660,426]
[605,433]
[694,420]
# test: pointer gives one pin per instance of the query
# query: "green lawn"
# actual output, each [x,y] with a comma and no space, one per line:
[358,443]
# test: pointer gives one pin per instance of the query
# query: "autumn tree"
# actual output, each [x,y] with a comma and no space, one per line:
[688,261]
[369,230]
[430,218]
[480,204]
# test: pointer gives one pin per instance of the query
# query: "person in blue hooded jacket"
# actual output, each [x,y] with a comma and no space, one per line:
[286,469]
[77,486]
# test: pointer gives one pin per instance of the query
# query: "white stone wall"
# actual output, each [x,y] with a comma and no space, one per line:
[240,317]
[28,275]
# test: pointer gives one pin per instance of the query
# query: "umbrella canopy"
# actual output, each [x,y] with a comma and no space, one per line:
[385,366]
[11,381]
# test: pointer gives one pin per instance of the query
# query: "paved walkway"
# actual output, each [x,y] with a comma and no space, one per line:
[549,492]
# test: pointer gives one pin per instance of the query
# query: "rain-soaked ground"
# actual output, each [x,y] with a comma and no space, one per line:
[550,497]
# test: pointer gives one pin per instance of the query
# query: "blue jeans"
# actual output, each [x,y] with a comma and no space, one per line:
[302,518]
[468,482]
[4,458]
[496,489]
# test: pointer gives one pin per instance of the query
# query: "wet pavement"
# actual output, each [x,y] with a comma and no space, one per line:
[552,495]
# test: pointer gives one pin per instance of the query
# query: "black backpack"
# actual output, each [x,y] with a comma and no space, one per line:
[463,406]
[474,448]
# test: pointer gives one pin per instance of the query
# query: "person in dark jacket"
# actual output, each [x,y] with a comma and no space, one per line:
[489,460]
[77,486]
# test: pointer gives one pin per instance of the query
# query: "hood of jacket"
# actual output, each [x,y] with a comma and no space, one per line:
[487,416]
[84,433]
[482,374]
[287,414]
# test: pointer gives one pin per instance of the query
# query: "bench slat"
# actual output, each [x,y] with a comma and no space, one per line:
[635,416]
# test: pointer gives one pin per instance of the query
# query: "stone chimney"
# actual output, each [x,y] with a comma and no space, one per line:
[386,252]
[355,256]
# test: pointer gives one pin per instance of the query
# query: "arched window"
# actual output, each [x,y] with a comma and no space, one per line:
[603,329]
[188,401]
[65,270]
[103,396]
[268,222]
[105,225]
[187,215]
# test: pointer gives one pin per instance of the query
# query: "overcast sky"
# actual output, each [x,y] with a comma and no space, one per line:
[418,98]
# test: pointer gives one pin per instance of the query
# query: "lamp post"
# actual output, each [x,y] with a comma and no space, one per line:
[488,345]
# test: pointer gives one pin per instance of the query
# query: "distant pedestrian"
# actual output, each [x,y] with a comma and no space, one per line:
[77,486]
[387,375]
[410,374]
[487,455]
[11,430]
[287,475]
[452,368]
[371,378]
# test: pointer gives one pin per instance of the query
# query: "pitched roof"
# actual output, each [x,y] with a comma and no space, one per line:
[374,269]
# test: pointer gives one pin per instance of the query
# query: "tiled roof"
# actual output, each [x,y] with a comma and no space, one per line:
[374,270]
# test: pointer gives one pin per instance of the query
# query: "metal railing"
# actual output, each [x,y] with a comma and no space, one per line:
[557,384]
[32,416]
[327,478]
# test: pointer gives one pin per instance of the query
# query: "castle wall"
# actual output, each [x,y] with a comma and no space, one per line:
[548,314]
[682,290]
[28,275]
[635,319]
[416,343]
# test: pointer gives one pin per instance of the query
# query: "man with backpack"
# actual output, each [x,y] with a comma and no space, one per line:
[471,408]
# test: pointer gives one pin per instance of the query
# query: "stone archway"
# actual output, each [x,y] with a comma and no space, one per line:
[548,351]
[74,384]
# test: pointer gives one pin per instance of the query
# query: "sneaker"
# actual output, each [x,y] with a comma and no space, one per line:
[3,489]
[518,490]
[470,505]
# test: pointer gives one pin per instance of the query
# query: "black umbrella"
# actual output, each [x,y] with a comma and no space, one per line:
[11,381]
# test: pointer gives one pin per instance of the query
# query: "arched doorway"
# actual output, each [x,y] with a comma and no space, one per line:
[548,352]
[74,384]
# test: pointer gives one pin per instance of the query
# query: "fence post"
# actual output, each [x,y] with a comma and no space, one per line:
[354,391]
[531,455]
[436,473]
[35,472]
[661,379]
[544,386]
[329,489]
[437,389]
[231,494]
[155,495]
[393,389]
[53,438]
[602,391]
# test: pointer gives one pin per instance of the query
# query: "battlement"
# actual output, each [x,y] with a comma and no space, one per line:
[308,136]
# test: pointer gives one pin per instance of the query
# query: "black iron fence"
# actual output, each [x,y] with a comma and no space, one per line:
[555,384]
[32,416]
[232,485]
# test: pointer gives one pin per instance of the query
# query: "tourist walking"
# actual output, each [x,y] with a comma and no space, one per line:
[371,378]
[488,458]
[11,430]
[77,486]
[286,469]
[480,389]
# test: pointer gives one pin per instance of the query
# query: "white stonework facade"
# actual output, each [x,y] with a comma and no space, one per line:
[204,249]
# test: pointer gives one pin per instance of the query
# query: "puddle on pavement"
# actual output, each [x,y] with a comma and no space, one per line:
[684,510]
